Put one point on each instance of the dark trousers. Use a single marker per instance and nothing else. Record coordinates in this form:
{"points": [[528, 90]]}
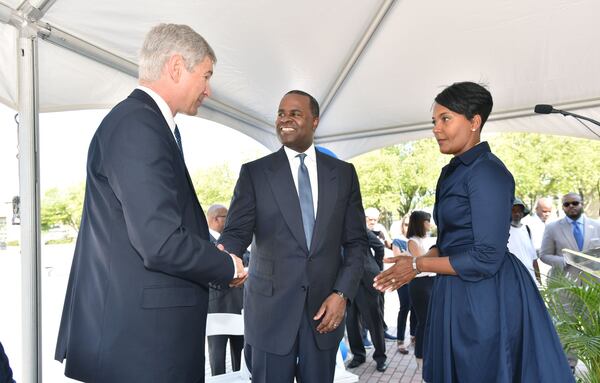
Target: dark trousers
{"points": [[420, 292], [306, 362], [405, 307], [365, 305], [217, 345]]}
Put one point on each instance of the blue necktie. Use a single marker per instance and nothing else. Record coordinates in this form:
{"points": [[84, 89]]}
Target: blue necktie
{"points": [[578, 235], [306, 200], [178, 139]]}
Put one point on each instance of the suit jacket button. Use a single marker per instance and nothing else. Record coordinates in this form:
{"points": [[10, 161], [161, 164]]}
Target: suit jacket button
{"points": [[303, 288]]}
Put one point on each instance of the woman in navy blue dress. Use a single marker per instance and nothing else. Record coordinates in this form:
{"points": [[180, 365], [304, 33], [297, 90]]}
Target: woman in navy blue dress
{"points": [[486, 320]]}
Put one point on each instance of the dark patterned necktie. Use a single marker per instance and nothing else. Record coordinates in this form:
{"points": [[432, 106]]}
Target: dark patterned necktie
{"points": [[306, 199], [178, 139]]}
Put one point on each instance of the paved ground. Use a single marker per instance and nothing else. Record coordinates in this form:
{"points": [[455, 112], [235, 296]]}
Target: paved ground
{"points": [[401, 369]]}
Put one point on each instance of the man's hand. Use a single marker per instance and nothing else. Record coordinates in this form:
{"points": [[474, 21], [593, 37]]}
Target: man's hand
{"points": [[331, 313], [396, 276], [240, 273]]}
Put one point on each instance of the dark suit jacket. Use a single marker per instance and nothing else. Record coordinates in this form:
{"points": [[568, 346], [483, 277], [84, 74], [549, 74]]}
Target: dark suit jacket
{"points": [[283, 273], [136, 303], [6, 375], [372, 268]]}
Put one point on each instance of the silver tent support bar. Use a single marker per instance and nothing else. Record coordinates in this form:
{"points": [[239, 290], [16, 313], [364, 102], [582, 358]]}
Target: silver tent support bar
{"points": [[29, 192], [356, 53]]}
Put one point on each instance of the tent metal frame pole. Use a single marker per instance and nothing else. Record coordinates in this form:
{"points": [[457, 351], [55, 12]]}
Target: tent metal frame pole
{"points": [[29, 192], [45, 5], [66, 40], [356, 53], [29, 14]]}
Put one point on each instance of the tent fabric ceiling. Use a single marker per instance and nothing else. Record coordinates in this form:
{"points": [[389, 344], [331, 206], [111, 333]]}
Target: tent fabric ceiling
{"points": [[8, 66], [527, 52]]}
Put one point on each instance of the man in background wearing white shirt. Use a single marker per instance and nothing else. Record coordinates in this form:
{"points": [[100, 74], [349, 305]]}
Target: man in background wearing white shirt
{"points": [[520, 242], [537, 222]]}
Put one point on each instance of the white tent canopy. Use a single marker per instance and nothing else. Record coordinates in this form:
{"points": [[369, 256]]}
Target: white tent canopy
{"points": [[374, 65]]}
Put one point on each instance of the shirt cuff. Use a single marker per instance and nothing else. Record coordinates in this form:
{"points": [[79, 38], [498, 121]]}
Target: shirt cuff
{"points": [[233, 261]]}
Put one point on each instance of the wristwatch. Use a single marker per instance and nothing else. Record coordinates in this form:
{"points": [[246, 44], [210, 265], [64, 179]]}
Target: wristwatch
{"points": [[414, 265], [341, 294]]}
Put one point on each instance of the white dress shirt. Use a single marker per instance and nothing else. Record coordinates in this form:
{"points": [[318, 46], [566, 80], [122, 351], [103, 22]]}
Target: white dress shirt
{"points": [[311, 164], [162, 105], [214, 233]]}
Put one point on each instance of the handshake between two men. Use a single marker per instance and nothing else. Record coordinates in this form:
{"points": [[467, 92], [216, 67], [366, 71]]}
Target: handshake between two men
{"points": [[241, 274]]}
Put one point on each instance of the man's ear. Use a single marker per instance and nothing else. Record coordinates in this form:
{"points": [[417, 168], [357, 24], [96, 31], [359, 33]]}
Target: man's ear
{"points": [[315, 123], [174, 67]]}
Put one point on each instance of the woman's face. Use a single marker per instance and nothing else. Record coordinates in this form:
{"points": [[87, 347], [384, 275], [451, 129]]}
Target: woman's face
{"points": [[427, 225], [454, 133], [404, 225]]}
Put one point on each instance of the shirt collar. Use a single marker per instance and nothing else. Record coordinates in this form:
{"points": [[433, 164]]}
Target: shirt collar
{"points": [[310, 153], [214, 233], [578, 220], [471, 155], [162, 105]]}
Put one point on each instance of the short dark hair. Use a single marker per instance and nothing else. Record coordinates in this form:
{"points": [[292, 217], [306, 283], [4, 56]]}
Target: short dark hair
{"points": [[416, 224], [314, 105], [467, 98]]}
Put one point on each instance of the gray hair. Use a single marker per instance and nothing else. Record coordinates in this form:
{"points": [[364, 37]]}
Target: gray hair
{"points": [[214, 210], [165, 40]]}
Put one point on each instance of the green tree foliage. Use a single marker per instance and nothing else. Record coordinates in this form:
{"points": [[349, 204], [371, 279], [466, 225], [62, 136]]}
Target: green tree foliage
{"points": [[62, 207], [400, 178], [215, 185], [544, 165]]}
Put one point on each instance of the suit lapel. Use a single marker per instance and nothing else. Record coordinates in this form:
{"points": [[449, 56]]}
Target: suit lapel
{"points": [[327, 178], [281, 181], [567, 230]]}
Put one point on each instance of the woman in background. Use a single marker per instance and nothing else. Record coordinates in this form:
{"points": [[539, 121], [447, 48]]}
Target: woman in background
{"points": [[420, 287], [487, 321]]}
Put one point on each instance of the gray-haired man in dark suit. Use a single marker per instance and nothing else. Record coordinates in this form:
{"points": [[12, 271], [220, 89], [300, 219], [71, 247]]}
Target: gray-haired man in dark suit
{"points": [[137, 299]]}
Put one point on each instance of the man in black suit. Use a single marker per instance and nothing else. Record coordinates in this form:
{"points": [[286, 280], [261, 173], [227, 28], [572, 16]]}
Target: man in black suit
{"points": [[303, 207], [136, 303], [223, 300], [366, 303]]}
